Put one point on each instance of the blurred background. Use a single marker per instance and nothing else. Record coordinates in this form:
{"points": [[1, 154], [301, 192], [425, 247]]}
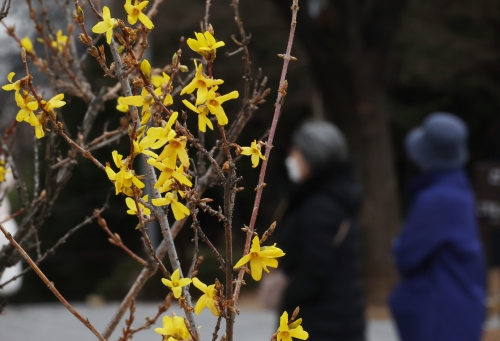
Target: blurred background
{"points": [[374, 68]]}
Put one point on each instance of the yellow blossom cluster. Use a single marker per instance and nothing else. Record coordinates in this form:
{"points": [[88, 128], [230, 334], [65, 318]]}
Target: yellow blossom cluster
{"points": [[174, 329], [134, 14], [27, 104], [286, 331], [58, 43]]}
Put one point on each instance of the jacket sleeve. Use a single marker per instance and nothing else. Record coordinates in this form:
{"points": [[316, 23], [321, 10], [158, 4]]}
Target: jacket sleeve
{"points": [[320, 219], [433, 222]]}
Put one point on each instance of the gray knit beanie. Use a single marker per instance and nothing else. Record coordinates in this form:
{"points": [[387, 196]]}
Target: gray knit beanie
{"points": [[321, 143]]}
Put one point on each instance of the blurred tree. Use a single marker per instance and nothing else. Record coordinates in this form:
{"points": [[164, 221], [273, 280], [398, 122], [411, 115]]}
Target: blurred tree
{"points": [[348, 44]]}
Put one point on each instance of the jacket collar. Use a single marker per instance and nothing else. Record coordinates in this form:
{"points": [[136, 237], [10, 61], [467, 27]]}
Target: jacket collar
{"points": [[427, 179]]}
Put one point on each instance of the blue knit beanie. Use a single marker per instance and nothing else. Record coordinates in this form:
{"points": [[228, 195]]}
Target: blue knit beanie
{"points": [[440, 143]]}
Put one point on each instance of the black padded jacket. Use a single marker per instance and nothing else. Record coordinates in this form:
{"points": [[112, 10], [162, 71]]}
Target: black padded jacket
{"points": [[325, 279]]}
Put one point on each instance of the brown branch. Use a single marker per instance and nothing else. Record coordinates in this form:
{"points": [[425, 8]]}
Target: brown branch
{"points": [[207, 14], [4, 11], [114, 238], [162, 308], [196, 226], [52, 250], [50, 285], [269, 146]]}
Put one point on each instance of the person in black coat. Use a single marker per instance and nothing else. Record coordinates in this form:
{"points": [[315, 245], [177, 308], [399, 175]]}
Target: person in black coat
{"points": [[320, 235]]}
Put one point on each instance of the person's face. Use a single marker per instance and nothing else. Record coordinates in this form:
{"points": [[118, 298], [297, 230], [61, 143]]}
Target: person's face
{"points": [[297, 167]]}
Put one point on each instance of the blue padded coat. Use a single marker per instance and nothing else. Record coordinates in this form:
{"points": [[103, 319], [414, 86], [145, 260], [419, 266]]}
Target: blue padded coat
{"points": [[440, 260]]}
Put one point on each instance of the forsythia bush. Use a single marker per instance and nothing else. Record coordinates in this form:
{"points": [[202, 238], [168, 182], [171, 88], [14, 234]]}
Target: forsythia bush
{"points": [[150, 105]]}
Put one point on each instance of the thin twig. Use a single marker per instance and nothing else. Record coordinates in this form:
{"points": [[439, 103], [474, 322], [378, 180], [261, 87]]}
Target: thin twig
{"points": [[114, 238], [52, 250], [277, 111], [51, 286]]}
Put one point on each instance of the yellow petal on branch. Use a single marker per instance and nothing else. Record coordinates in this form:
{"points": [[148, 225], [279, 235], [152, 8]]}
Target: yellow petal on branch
{"points": [[106, 25], [214, 104], [178, 209], [146, 69], [27, 104], [13, 85], [176, 283], [202, 83], [207, 299], [205, 45], [132, 208], [260, 257], [121, 106], [202, 111], [174, 328], [287, 331], [254, 152], [27, 44], [54, 103], [135, 13]]}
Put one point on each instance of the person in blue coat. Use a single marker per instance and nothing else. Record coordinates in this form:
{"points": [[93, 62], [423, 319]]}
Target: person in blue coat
{"points": [[441, 295]]}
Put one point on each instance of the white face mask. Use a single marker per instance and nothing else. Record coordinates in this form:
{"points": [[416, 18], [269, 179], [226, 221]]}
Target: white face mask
{"points": [[293, 168]]}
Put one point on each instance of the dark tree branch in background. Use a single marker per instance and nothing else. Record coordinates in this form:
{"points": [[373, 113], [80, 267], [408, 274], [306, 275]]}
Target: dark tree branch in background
{"points": [[4, 11]]}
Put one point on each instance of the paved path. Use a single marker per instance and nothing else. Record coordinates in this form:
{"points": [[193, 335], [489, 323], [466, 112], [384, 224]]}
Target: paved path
{"points": [[52, 322]]}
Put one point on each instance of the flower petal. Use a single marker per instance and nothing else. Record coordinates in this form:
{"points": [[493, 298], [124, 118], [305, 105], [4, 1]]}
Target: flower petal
{"points": [[256, 268], [177, 291], [200, 285], [202, 303], [146, 21], [166, 282], [245, 259]]}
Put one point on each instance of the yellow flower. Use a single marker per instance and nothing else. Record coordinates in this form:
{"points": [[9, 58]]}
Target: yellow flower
{"points": [[121, 106], [176, 283], [160, 82], [205, 45], [27, 103], [143, 100], [207, 299], [135, 13], [286, 332], [27, 44], [254, 152], [179, 210], [53, 103], [106, 25], [124, 178], [176, 148], [35, 121], [202, 83], [167, 173], [142, 147], [214, 103], [13, 85], [162, 135], [3, 171], [260, 257], [132, 208], [146, 68], [60, 41], [202, 111], [174, 327]]}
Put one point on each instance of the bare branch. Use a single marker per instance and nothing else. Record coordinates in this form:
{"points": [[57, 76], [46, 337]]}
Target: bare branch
{"points": [[51, 286]]}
